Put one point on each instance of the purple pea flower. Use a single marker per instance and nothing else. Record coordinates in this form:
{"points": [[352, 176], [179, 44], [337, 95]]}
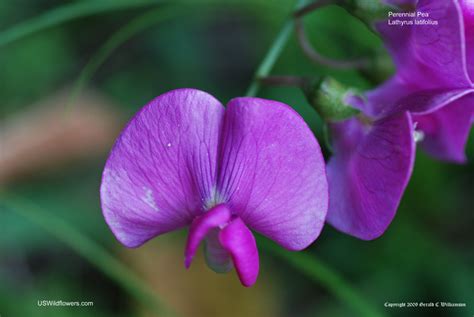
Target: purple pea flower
{"points": [[186, 161], [432, 91], [435, 68]]}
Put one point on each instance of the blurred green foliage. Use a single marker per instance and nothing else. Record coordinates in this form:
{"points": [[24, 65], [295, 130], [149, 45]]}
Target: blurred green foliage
{"points": [[426, 254]]}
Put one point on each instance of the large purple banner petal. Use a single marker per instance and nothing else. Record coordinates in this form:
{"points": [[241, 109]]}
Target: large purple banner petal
{"points": [[272, 171], [162, 166]]}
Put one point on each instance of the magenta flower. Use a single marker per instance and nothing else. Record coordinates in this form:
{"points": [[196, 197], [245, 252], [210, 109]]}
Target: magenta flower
{"points": [[186, 161], [435, 67], [371, 165]]}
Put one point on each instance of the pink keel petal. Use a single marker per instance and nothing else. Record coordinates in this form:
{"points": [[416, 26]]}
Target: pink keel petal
{"points": [[239, 241], [201, 226]]}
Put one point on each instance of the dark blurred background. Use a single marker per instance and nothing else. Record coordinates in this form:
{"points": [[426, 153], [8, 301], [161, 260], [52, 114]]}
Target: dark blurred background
{"points": [[52, 151]]}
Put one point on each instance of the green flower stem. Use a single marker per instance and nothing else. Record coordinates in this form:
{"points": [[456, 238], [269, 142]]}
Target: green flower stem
{"points": [[271, 57], [273, 53], [89, 250], [317, 271]]}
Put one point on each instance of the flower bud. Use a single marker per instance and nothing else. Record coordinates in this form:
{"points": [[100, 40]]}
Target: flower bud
{"points": [[330, 100]]}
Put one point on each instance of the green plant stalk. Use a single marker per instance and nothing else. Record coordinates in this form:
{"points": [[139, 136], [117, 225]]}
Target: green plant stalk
{"points": [[89, 250], [269, 61], [273, 53]]}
